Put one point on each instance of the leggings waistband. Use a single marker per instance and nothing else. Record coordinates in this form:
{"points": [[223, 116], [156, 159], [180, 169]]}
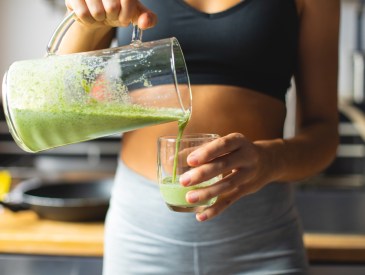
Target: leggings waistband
{"points": [[139, 203]]}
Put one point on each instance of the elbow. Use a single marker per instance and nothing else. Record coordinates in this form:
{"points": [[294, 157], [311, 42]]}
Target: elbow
{"points": [[333, 143]]}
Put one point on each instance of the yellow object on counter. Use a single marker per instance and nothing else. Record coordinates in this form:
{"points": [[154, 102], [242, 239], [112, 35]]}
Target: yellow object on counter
{"points": [[5, 182]]}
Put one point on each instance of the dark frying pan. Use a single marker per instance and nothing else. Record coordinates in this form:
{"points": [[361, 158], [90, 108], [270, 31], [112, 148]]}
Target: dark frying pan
{"points": [[62, 200]]}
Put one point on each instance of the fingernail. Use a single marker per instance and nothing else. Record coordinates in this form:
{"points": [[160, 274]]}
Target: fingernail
{"points": [[193, 159], [192, 197], [201, 217], [185, 179]]}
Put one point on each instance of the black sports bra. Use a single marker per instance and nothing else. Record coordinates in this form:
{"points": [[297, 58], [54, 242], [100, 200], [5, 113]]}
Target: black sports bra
{"points": [[251, 45]]}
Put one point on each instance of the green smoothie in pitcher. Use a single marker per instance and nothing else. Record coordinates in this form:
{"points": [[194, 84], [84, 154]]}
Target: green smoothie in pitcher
{"points": [[68, 99], [42, 129]]}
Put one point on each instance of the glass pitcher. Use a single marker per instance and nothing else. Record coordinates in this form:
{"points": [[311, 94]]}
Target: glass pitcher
{"points": [[64, 99]]}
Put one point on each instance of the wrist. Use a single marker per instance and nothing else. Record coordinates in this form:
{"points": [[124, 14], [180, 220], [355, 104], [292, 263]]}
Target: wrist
{"points": [[82, 38], [272, 160]]}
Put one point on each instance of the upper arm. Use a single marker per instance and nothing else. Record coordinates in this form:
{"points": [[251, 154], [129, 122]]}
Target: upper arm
{"points": [[317, 65]]}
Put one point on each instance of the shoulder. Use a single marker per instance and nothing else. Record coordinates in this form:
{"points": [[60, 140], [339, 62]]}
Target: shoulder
{"points": [[319, 22], [317, 72]]}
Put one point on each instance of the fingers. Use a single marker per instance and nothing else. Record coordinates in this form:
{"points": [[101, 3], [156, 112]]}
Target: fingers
{"points": [[146, 18], [234, 181], [128, 12], [225, 185], [81, 10], [216, 148], [115, 13], [220, 205], [220, 156], [94, 11], [112, 9], [226, 200], [219, 166], [229, 196], [233, 156]]}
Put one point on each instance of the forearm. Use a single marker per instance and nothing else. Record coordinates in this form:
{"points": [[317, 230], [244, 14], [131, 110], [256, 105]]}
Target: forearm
{"points": [[304, 155], [314, 146], [81, 39]]}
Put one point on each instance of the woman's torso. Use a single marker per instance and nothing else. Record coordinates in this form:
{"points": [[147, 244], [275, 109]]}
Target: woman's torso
{"points": [[239, 64]]}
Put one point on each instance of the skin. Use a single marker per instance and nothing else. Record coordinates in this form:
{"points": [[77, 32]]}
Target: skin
{"points": [[251, 152]]}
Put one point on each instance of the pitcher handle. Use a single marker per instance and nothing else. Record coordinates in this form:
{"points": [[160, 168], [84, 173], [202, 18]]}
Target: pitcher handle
{"points": [[136, 36], [66, 23], [59, 33]]}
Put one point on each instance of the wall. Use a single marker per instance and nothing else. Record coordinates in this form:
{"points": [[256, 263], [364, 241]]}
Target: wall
{"points": [[25, 28], [347, 45]]}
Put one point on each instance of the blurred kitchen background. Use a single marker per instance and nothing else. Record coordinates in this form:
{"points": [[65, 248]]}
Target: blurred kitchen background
{"points": [[332, 205], [26, 27]]}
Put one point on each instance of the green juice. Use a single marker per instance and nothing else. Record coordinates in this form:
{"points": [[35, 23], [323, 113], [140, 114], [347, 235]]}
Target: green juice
{"points": [[43, 129], [174, 193], [181, 127]]}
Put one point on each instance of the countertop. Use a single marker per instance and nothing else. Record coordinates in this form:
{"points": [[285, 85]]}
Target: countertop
{"points": [[25, 233]]}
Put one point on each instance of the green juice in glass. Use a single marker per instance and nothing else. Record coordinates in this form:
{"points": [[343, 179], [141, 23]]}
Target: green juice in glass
{"points": [[174, 193]]}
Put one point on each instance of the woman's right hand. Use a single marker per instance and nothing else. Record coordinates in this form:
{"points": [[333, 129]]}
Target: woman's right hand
{"points": [[111, 13]]}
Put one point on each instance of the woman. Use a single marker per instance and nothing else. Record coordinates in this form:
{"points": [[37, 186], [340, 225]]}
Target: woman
{"points": [[241, 56]]}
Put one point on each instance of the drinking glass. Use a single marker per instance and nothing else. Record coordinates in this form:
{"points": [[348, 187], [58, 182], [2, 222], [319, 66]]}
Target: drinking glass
{"points": [[172, 162]]}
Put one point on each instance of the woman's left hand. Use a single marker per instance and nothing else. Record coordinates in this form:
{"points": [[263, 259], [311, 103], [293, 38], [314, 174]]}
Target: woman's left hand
{"points": [[242, 164]]}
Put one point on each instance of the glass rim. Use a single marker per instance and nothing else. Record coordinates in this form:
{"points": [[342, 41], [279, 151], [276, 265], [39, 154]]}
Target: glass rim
{"points": [[189, 137], [176, 45]]}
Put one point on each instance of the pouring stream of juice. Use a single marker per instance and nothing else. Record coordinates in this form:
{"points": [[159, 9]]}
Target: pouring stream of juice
{"points": [[181, 124]]}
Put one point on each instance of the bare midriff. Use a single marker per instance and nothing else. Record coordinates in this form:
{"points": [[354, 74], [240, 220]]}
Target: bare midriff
{"points": [[216, 109]]}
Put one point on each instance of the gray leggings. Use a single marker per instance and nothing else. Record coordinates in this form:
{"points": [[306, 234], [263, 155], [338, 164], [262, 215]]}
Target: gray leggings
{"points": [[260, 234]]}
